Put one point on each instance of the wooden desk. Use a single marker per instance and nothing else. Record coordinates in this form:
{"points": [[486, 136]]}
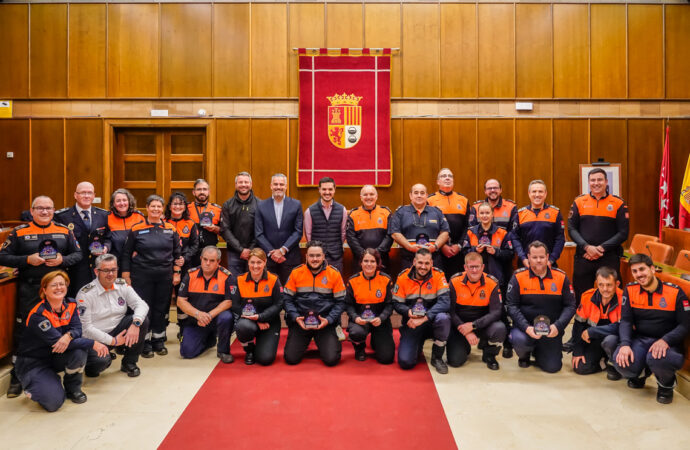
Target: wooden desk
{"points": [[8, 293], [678, 239]]}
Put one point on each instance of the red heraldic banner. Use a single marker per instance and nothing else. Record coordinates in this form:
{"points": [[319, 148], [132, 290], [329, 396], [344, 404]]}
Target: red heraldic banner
{"points": [[344, 119]]}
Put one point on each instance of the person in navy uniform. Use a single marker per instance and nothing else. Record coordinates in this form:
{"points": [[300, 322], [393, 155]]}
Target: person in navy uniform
{"points": [[52, 343], [90, 227]]}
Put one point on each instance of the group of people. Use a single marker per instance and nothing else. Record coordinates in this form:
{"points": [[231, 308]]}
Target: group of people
{"points": [[94, 283]]}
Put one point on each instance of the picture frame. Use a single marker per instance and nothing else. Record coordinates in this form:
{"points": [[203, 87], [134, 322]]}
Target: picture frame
{"points": [[613, 174]]}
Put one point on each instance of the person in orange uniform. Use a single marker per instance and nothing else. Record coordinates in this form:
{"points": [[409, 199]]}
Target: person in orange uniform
{"points": [[369, 307], [595, 331], [367, 227], [475, 314], [455, 207], [206, 215], [505, 210], [257, 304], [122, 217]]}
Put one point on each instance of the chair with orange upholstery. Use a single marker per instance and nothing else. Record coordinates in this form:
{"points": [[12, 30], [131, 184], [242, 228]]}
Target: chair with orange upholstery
{"points": [[660, 253], [637, 245], [683, 260]]}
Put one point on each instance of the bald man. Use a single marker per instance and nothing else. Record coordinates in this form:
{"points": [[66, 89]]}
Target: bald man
{"points": [[90, 227], [367, 227]]}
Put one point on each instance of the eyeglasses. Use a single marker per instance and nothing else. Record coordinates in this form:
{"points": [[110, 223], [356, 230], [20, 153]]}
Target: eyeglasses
{"points": [[493, 188], [473, 267], [107, 270], [43, 208]]}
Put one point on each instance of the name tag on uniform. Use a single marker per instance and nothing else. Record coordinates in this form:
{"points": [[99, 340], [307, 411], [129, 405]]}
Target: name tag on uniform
{"points": [[144, 231], [433, 221], [58, 236], [30, 237], [168, 231]]}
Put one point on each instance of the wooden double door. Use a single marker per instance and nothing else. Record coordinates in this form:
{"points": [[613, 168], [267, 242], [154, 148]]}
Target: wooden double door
{"points": [[158, 161]]}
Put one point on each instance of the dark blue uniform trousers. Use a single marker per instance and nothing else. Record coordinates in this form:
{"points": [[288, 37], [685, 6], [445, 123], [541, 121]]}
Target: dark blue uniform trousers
{"points": [[41, 381], [594, 351], [664, 369], [412, 339], [547, 351], [459, 348], [266, 340], [194, 337], [381, 339]]}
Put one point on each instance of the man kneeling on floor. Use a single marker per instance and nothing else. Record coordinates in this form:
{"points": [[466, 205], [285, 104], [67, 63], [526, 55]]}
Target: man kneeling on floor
{"points": [[103, 306], [655, 319], [205, 294], [475, 312], [421, 297], [314, 298], [595, 331]]}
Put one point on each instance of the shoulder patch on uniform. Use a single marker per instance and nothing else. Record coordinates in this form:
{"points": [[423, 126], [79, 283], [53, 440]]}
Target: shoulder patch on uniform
{"points": [[385, 207], [334, 268], [491, 277], [99, 209], [44, 325], [634, 283], [458, 274], [432, 194], [675, 286], [215, 204], [509, 200], [522, 209], [580, 196], [385, 275], [60, 224], [396, 209], [193, 269], [356, 208], [403, 271], [559, 270], [87, 287], [120, 281], [358, 274], [478, 202], [60, 211], [554, 207], [19, 227], [521, 269], [225, 271]]}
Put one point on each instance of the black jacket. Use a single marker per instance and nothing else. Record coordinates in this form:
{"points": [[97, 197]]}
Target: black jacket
{"points": [[237, 224]]}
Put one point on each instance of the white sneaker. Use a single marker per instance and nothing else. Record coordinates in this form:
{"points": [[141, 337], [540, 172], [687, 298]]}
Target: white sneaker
{"points": [[339, 332]]}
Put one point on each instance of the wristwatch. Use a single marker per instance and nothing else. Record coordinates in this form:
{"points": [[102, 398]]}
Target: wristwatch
{"points": [[136, 322]]}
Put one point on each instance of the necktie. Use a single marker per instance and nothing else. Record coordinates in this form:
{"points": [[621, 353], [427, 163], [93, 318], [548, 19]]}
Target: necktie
{"points": [[87, 220]]}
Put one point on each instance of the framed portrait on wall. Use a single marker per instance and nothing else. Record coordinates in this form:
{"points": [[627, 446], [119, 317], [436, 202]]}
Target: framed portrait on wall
{"points": [[613, 174]]}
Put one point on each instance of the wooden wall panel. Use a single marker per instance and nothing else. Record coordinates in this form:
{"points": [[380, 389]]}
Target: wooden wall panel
{"points": [[680, 151], [382, 29], [496, 24], [459, 154], [533, 156], [269, 140], [609, 140], [14, 137], [421, 159], [233, 155], [570, 149], [571, 51], [677, 51], [231, 50], [306, 30], [133, 50], [608, 51], [495, 153], [84, 157], [345, 25], [47, 159], [87, 41], [48, 50], [421, 39], [186, 50], [645, 144], [533, 50], [14, 46], [458, 50], [645, 51], [269, 50]]}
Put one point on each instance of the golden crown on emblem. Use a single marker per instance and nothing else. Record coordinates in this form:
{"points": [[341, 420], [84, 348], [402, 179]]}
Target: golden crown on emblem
{"points": [[344, 99]]}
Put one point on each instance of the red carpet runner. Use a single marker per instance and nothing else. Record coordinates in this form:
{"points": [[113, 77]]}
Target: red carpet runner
{"points": [[355, 405]]}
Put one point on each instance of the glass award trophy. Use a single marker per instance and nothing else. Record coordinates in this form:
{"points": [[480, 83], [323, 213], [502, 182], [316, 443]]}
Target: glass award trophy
{"points": [[485, 240], [542, 325], [422, 240], [419, 310], [248, 309], [48, 249], [368, 315], [206, 219], [96, 248], [311, 321]]}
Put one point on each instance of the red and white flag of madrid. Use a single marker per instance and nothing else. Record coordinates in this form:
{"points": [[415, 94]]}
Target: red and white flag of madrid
{"points": [[666, 218]]}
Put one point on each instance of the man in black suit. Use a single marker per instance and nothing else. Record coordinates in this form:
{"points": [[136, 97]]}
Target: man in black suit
{"points": [[278, 229], [90, 227]]}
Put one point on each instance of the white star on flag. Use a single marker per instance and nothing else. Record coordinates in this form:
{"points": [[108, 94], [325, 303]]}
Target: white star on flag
{"points": [[664, 187], [664, 204], [668, 220]]}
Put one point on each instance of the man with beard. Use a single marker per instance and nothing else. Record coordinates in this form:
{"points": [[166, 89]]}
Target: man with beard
{"points": [[237, 223], [207, 216]]}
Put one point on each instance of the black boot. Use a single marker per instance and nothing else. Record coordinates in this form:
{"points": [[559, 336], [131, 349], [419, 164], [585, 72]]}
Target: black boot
{"points": [[489, 356], [664, 395], [249, 354], [360, 354], [507, 349], [437, 359], [15, 388], [567, 346], [639, 382], [524, 362], [612, 374], [147, 351]]}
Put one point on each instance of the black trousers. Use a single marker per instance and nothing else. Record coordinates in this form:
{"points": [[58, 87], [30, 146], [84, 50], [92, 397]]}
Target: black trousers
{"points": [[266, 345], [458, 348], [27, 297], [96, 364], [594, 352], [381, 339], [585, 271], [80, 275], [155, 288], [326, 340]]}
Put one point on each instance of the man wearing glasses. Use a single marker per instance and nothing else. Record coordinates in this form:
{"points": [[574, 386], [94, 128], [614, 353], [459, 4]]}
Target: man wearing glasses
{"points": [[104, 306], [505, 211], [90, 227], [36, 248]]}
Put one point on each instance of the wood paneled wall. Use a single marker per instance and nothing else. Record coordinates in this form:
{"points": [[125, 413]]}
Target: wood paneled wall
{"points": [[448, 50], [48, 151]]}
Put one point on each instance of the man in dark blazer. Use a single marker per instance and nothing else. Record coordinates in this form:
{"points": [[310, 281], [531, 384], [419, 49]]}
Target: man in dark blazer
{"points": [[90, 227], [278, 229]]}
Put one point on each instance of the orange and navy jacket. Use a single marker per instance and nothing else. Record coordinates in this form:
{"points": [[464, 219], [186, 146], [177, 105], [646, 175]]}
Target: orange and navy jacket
{"points": [[455, 207], [477, 302], [195, 210], [265, 295], [151, 247], [119, 230], [529, 296], [205, 294], [545, 225], [662, 314], [412, 224], [498, 237], [505, 213], [189, 237], [602, 222], [25, 240], [432, 289], [374, 292], [599, 320], [44, 327], [322, 292], [368, 229]]}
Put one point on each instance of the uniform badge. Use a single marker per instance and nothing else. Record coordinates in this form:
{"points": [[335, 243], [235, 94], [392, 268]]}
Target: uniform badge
{"points": [[505, 214], [482, 294], [233, 289], [70, 226], [378, 293], [428, 285], [380, 221], [121, 301], [396, 288], [266, 289], [570, 214], [547, 215], [185, 230], [686, 305], [324, 280], [5, 244], [45, 325], [553, 287], [662, 302], [81, 309], [510, 288], [610, 207], [66, 315], [215, 288]]}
